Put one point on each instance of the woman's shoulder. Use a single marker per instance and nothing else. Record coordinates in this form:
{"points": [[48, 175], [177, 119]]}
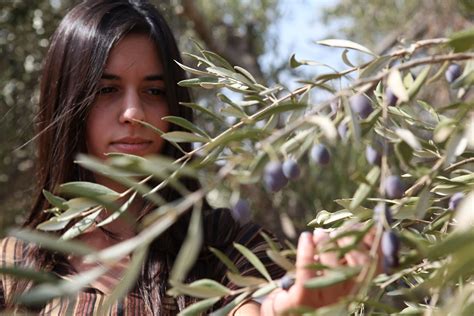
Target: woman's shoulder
{"points": [[12, 251]]}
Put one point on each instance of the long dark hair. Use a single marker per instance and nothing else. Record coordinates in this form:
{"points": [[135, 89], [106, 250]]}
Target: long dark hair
{"points": [[71, 72]]}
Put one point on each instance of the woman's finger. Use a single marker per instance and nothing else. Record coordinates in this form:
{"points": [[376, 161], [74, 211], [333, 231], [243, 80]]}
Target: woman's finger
{"points": [[358, 256], [304, 257], [328, 258], [321, 238]]}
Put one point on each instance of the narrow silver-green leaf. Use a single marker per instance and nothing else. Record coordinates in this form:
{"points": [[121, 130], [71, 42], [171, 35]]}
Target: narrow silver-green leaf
{"points": [[364, 189], [423, 203], [244, 281], [224, 259], [76, 207], [279, 108], [345, 58], [419, 81], [395, 83], [253, 259], [184, 137], [86, 189], [55, 201], [81, 226], [191, 70], [211, 285], [280, 260], [264, 290], [199, 307], [52, 242], [217, 59], [194, 291], [245, 73], [224, 311], [346, 44], [118, 212], [47, 291], [128, 280], [409, 138], [197, 82], [332, 277], [462, 41], [190, 248], [374, 66], [185, 124], [28, 274], [52, 225]]}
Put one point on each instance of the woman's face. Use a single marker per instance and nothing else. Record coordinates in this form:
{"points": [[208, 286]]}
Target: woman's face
{"points": [[132, 88]]}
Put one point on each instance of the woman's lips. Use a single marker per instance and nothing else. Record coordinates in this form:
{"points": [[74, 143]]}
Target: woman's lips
{"points": [[135, 146]]}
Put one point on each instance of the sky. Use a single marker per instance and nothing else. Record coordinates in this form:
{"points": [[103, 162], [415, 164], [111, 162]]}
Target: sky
{"points": [[297, 30]]}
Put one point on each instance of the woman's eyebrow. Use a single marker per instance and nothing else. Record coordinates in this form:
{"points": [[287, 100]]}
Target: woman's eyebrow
{"points": [[108, 76], [154, 77]]}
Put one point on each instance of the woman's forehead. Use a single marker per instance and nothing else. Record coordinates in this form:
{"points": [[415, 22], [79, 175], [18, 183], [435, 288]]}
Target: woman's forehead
{"points": [[134, 52]]}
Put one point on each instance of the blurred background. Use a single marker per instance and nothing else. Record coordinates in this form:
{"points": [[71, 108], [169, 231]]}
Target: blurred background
{"points": [[259, 35]]}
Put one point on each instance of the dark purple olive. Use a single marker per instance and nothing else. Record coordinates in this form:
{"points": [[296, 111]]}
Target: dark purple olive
{"points": [[320, 154], [453, 72], [390, 97], [361, 105], [286, 282], [394, 187], [273, 176], [390, 245], [382, 209], [373, 156], [291, 170], [241, 211], [455, 200]]}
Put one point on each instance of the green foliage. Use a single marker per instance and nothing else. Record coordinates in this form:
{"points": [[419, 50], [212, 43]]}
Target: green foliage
{"points": [[431, 146], [428, 143]]}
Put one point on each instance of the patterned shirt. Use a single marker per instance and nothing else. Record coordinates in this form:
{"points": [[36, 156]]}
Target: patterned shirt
{"points": [[89, 299]]}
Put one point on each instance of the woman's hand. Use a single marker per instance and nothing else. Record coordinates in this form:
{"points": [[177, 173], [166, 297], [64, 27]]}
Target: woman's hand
{"points": [[297, 295]]}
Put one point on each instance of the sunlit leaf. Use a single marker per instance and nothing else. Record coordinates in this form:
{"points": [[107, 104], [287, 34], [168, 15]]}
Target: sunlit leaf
{"points": [[81, 226], [52, 224], [409, 138], [346, 44], [76, 207], [395, 83]]}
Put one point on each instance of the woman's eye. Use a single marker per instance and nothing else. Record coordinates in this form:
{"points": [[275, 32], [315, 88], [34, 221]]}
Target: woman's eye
{"points": [[156, 91], [106, 90]]}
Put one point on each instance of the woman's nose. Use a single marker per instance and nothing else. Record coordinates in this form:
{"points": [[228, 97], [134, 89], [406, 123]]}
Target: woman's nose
{"points": [[132, 109]]}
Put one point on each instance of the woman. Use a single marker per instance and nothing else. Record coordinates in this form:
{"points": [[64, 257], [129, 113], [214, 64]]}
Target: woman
{"points": [[111, 64]]}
